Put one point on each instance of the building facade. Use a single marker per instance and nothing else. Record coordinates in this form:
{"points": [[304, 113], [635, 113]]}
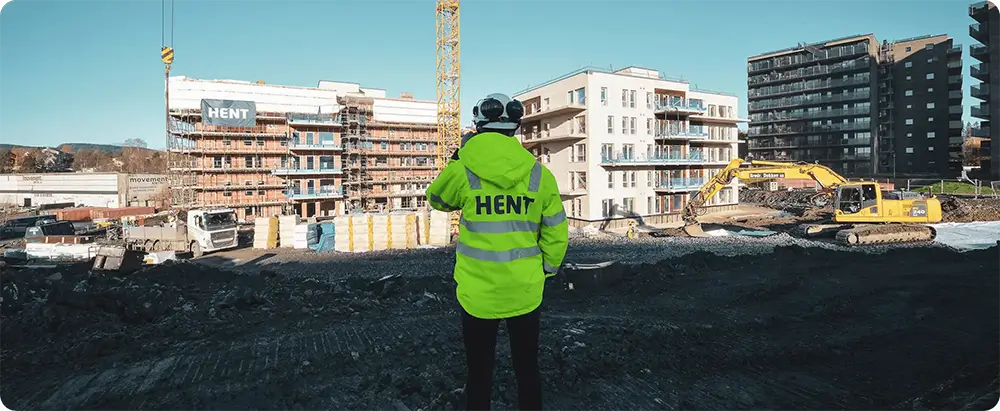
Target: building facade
{"points": [[986, 30], [86, 189], [859, 107], [314, 151], [629, 143]]}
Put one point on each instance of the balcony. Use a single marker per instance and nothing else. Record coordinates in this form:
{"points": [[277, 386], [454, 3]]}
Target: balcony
{"points": [[955, 141], [306, 171], [299, 119], [981, 91], [805, 72], [956, 109], [565, 109], [956, 49], [672, 157], [980, 71], [956, 79], [324, 146], [677, 133], [680, 184], [314, 194], [680, 106], [955, 64], [781, 130], [982, 111], [807, 58], [807, 100], [529, 139], [806, 86], [982, 132], [955, 95], [979, 52], [978, 10], [804, 115], [955, 124], [978, 32]]}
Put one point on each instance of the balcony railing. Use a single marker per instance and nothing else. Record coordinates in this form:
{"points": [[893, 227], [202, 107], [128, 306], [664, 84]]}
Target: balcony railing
{"points": [[981, 111], [836, 142], [979, 52], [955, 124], [955, 49], [660, 158], [956, 109], [850, 65], [321, 170], [954, 94], [980, 71], [802, 115], [681, 184], [796, 59], [955, 64], [316, 146], [979, 7], [665, 131], [324, 191], [977, 32], [807, 85], [983, 132], [955, 79], [680, 105], [981, 91], [314, 119], [811, 99], [784, 129]]}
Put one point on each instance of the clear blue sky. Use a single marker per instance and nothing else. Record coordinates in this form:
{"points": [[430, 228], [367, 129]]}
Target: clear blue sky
{"points": [[89, 71]]}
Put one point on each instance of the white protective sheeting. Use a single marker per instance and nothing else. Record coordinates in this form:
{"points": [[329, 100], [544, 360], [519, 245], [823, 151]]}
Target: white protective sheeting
{"points": [[968, 236], [187, 93], [405, 111]]}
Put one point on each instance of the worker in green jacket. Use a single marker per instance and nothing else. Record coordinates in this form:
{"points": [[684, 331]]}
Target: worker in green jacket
{"points": [[513, 235]]}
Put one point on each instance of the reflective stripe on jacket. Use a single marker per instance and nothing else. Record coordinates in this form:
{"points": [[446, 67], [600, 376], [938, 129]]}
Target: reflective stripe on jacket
{"points": [[513, 229]]}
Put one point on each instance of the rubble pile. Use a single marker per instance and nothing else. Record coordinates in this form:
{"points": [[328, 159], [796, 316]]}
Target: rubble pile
{"points": [[954, 209], [789, 328], [966, 210]]}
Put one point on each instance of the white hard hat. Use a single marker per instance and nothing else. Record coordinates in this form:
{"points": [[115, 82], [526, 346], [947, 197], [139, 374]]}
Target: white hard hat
{"points": [[498, 112]]}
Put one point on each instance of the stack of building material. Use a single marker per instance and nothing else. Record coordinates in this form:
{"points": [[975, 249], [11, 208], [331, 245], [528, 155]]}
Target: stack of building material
{"points": [[265, 233], [434, 228], [306, 234], [286, 230], [116, 213], [373, 232], [326, 239]]}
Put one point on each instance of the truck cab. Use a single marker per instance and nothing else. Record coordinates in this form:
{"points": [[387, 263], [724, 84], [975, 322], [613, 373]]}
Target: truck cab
{"points": [[211, 230]]}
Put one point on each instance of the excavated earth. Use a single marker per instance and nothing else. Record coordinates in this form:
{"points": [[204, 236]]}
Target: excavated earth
{"points": [[793, 327]]}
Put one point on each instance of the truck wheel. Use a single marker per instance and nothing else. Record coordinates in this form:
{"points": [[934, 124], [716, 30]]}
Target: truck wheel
{"points": [[196, 249]]}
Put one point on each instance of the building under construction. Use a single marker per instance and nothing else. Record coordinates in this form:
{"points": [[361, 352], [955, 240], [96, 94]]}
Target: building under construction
{"points": [[313, 151]]}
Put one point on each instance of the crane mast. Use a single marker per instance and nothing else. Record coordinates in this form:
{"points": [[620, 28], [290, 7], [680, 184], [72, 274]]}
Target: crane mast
{"points": [[448, 68]]}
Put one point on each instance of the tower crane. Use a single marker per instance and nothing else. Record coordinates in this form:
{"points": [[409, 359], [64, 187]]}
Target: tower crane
{"points": [[449, 107]]}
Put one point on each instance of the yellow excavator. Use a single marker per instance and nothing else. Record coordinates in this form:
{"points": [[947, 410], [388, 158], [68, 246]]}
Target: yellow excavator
{"points": [[863, 212]]}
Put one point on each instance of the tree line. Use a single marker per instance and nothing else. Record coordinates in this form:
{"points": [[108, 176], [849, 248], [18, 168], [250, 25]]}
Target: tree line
{"points": [[134, 157]]}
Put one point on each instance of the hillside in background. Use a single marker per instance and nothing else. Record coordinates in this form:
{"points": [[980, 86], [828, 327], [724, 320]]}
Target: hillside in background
{"points": [[73, 147]]}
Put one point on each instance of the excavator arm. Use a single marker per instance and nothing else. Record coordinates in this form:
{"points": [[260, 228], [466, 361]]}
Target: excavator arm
{"points": [[760, 171]]}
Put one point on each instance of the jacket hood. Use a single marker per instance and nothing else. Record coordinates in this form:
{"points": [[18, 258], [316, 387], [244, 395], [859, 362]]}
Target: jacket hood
{"points": [[496, 158]]}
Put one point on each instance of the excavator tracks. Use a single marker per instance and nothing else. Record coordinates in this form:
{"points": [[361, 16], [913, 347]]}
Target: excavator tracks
{"points": [[869, 234]]}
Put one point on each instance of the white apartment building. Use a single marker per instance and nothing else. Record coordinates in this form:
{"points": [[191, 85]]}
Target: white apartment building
{"points": [[630, 144]]}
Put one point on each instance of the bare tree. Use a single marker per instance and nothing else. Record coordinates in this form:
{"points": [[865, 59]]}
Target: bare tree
{"points": [[7, 160], [135, 142]]}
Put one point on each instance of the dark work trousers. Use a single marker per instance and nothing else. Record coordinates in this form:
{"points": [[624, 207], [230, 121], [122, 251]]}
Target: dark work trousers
{"points": [[480, 351]]}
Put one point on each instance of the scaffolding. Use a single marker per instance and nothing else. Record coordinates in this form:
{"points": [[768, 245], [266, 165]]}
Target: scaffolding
{"points": [[354, 117], [885, 140], [206, 169]]}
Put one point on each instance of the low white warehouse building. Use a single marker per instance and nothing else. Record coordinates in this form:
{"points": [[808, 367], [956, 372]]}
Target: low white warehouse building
{"points": [[88, 189]]}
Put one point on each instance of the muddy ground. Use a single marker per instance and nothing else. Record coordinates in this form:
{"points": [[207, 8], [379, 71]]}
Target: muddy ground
{"points": [[793, 328]]}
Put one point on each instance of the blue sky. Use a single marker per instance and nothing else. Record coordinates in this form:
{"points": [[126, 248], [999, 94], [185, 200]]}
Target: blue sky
{"points": [[89, 71]]}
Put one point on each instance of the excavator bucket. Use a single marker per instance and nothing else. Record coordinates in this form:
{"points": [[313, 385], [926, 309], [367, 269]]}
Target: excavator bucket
{"points": [[695, 230]]}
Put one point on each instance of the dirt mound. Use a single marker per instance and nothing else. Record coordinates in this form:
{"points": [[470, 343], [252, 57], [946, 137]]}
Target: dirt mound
{"points": [[796, 202], [788, 329], [964, 210]]}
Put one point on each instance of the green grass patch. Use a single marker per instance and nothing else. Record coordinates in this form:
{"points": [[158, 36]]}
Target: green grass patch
{"points": [[954, 187]]}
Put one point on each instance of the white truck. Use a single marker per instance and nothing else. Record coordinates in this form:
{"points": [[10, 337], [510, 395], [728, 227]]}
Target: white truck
{"points": [[203, 231]]}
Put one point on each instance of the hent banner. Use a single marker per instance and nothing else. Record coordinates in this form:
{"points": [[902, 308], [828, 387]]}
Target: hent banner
{"points": [[232, 113]]}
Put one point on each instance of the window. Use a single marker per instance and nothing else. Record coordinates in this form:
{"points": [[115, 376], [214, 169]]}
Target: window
{"points": [[604, 96], [909, 150], [581, 152], [908, 93], [908, 64], [930, 76], [607, 151], [629, 206], [930, 148], [611, 124], [631, 99], [628, 151], [930, 119], [908, 49], [649, 182], [624, 125], [909, 121], [248, 161], [606, 207], [248, 193], [247, 143], [624, 98], [611, 180], [632, 179], [909, 106], [908, 78], [929, 46], [930, 105], [909, 135], [649, 100], [931, 134], [260, 143], [624, 179], [632, 124], [649, 126], [383, 145]]}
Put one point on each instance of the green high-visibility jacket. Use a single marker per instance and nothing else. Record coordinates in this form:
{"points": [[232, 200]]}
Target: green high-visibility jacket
{"points": [[513, 231]]}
